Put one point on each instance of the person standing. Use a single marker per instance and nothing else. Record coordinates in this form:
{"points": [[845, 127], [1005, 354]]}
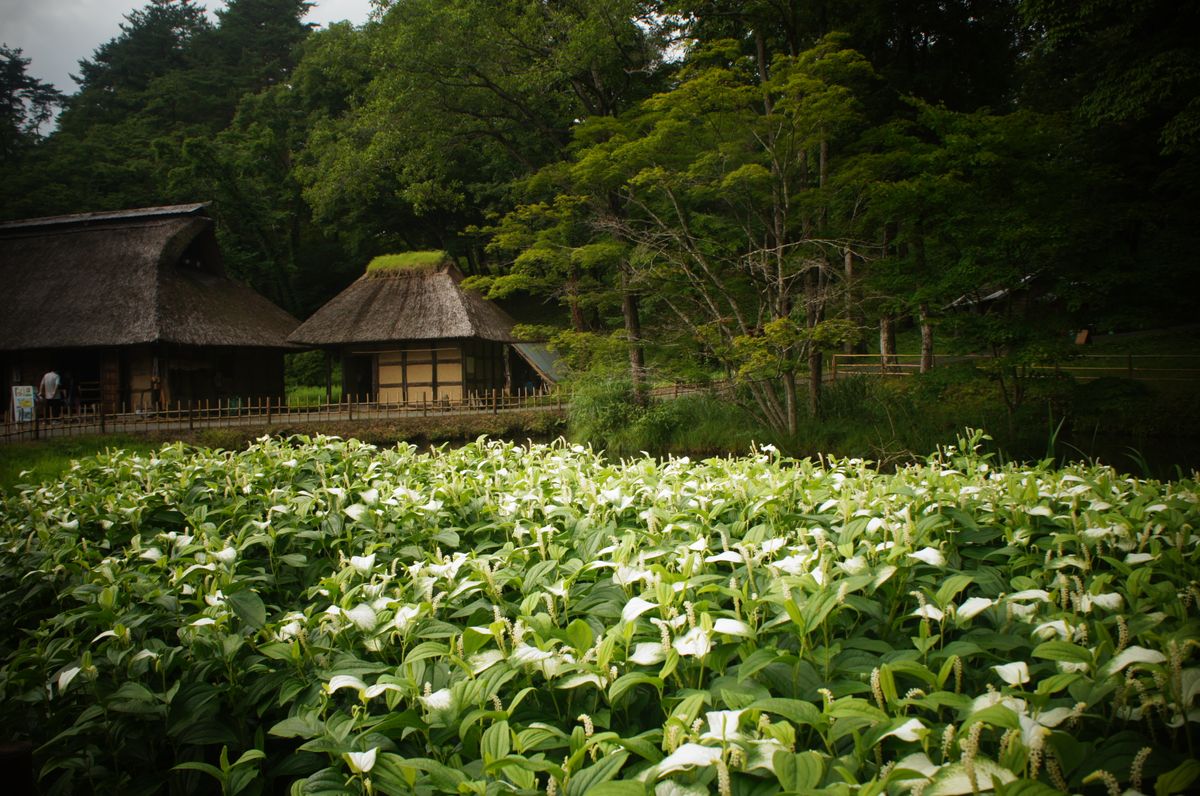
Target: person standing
{"points": [[48, 391]]}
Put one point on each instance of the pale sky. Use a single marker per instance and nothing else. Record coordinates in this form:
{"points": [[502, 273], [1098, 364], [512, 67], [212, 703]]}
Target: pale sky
{"points": [[55, 34]]}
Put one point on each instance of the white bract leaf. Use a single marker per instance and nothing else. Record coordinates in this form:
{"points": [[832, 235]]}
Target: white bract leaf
{"points": [[648, 653], [1056, 628], [1134, 655], [66, 676], [918, 762], [361, 762], [853, 566], [911, 730], [1033, 733], [687, 756], [635, 608], [732, 627], [973, 606], [625, 576], [370, 692], [363, 616], [340, 681], [929, 612], [729, 556], [1109, 602], [953, 780], [438, 700], [694, 643], [363, 564], [1015, 673], [405, 615], [722, 725], [356, 512], [930, 555], [1030, 594], [762, 754], [226, 556], [483, 661]]}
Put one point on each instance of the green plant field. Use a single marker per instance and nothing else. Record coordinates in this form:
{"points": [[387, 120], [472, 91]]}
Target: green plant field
{"points": [[318, 616]]}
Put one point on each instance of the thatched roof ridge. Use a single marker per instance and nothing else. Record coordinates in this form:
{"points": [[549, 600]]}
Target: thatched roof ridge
{"points": [[389, 306], [194, 208], [125, 278]]}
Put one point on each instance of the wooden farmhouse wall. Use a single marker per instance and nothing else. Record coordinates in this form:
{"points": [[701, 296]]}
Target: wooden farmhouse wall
{"points": [[436, 370]]}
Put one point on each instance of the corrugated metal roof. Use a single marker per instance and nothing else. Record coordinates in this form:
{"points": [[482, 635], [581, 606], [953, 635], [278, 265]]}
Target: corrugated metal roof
{"points": [[542, 359]]}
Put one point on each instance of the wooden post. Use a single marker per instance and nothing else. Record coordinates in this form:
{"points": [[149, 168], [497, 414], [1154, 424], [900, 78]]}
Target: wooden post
{"points": [[268, 410]]}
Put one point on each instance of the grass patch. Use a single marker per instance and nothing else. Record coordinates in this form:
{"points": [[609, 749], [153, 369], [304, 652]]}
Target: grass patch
{"points": [[308, 395], [407, 261], [47, 460]]}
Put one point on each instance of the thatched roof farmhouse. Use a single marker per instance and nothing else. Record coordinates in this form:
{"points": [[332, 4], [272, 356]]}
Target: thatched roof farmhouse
{"points": [[136, 306], [407, 331]]}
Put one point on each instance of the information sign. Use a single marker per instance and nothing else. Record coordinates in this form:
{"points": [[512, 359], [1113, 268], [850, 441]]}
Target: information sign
{"points": [[22, 402]]}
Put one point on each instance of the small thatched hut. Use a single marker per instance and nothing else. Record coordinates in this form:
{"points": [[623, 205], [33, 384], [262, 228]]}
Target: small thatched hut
{"points": [[136, 307], [406, 331]]}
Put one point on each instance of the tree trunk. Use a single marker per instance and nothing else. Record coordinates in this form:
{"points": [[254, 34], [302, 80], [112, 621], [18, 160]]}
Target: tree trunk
{"points": [[633, 335], [926, 340], [578, 322], [887, 341], [853, 306], [815, 373], [789, 397]]}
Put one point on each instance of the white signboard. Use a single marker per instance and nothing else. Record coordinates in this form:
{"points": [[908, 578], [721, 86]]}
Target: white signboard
{"points": [[22, 401]]}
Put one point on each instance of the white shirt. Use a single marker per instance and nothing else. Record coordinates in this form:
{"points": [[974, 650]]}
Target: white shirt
{"points": [[49, 388]]}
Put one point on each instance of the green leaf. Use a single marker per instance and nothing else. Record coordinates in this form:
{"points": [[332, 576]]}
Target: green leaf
{"points": [[794, 710], [496, 742], [1178, 779], [854, 708], [995, 715], [799, 772], [631, 680], [758, 660], [950, 588], [248, 607], [623, 787], [1063, 651], [580, 634], [1026, 787], [603, 770], [424, 650]]}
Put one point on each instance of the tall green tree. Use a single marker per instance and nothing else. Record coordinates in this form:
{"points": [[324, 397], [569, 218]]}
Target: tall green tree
{"points": [[725, 182], [26, 105], [466, 98]]}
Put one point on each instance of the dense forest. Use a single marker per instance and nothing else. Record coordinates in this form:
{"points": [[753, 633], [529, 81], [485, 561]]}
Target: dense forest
{"points": [[703, 186]]}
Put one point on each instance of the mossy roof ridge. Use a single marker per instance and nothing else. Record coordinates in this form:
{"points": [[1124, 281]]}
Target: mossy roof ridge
{"points": [[407, 262]]}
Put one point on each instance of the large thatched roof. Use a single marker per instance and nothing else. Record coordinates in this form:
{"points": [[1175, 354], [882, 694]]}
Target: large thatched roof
{"points": [[127, 277], [387, 305]]}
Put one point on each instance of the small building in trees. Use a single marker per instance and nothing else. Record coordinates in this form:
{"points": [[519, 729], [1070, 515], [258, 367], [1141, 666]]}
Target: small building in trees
{"points": [[135, 307], [406, 331]]}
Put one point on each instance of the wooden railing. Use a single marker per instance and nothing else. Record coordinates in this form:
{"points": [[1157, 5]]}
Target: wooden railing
{"points": [[1084, 367], [261, 411]]}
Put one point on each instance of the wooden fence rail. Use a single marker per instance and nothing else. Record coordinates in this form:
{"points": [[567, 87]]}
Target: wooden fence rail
{"points": [[1143, 367], [260, 411]]}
